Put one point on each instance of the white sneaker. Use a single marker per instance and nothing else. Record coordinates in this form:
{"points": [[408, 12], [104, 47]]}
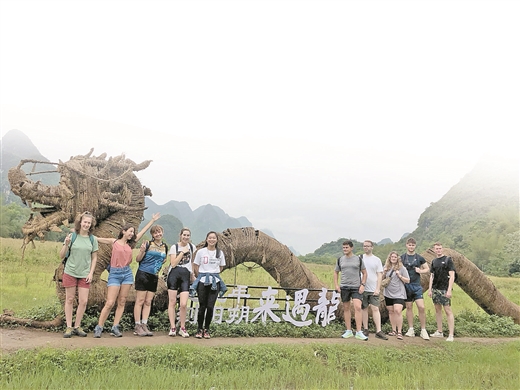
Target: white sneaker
{"points": [[173, 332], [347, 334], [410, 333], [450, 338], [424, 334], [437, 334], [183, 332]]}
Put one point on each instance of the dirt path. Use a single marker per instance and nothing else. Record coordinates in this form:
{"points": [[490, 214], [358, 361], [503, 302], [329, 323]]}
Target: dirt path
{"points": [[26, 338]]}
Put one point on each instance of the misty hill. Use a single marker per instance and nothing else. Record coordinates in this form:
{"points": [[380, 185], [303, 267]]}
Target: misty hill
{"points": [[200, 221], [478, 217], [16, 146]]}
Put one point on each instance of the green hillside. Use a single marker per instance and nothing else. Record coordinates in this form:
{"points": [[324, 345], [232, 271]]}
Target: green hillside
{"points": [[479, 217]]}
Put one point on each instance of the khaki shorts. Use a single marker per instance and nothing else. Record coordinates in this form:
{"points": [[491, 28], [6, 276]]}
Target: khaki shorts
{"points": [[369, 299]]}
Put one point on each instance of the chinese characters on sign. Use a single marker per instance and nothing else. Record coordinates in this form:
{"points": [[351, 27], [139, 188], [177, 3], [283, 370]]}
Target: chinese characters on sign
{"points": [[325, 309]]}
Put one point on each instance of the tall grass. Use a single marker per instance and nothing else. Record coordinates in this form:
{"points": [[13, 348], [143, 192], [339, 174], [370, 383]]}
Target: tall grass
{"points": [[27, 289], [313, 366]]}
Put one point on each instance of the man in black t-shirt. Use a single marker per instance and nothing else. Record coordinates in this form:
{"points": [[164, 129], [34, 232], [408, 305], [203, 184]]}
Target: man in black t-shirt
{"points": [[441, 283]]}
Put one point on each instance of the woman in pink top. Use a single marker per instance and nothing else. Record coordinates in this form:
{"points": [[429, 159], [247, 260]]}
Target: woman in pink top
{"points": [[120, 276]]}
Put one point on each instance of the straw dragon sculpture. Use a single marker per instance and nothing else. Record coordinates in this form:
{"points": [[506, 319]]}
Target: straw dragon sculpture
{"points": [[109, 189]]}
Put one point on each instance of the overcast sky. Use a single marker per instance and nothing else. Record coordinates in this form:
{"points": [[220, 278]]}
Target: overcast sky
{"points": [[314, 119]]}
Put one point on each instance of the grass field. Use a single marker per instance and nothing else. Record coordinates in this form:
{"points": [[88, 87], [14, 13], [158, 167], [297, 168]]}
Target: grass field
{"points": [[27, 288]]}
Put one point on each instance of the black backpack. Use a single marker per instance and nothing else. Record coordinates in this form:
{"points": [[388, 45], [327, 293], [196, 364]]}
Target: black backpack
{"points": [[454, 271], [360, 262]]}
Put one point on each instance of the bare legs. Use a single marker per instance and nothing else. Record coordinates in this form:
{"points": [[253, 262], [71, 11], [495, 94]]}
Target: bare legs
{"points": [[449, 317], [358, 314], [115, 294], [70, 294], [143, 305]]}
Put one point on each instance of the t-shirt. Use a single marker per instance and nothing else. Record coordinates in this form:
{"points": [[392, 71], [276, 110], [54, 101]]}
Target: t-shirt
{"points": [[121, 255], [186, 259], [154, 258], [373, 266], [80, 257], [410, 262], [396, 287], [440, 268], [208, 262], [350, 269]]}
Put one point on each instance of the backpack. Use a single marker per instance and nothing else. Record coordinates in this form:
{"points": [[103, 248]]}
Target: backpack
{"points": [[163, 243], [456, 276], [192, 248], [360, 264], [72, 239], [360, 261]]}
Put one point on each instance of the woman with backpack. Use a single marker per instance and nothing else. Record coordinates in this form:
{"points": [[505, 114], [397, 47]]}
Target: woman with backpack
{"points": [[79, 253], [180, 275], [151, 258], [209, 262], [120, 276]]}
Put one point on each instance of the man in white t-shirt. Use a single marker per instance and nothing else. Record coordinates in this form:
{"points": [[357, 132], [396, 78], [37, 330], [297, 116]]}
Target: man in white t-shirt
{"points": [[374, 269]]}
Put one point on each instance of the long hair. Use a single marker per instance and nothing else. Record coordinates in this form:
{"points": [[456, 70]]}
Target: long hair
{"points": [[79, 219], [216, 244], [130, 242], [388, 264]]}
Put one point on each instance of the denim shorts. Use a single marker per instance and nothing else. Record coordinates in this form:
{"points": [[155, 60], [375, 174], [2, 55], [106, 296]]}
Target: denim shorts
{"points": [[413, 292], [119, 276]]}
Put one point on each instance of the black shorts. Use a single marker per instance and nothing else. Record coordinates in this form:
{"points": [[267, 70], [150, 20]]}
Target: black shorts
{"points": [[145, 281], [394, 301], [179, 279]]}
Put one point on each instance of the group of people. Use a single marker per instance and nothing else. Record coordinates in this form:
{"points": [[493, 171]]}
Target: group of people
{"points": [[360, 283], [188, 267], [362, 279]]}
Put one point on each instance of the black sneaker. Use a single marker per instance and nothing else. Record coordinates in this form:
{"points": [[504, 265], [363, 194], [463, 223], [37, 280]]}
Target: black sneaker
{"points": [[381, 335], [366, 332]]}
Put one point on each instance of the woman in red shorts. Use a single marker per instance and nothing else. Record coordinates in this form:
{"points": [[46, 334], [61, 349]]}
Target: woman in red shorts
{"points": [[80, 248]]}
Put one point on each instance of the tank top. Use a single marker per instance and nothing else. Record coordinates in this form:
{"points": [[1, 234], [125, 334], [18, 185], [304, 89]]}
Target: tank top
{"points": [[121, 255]]}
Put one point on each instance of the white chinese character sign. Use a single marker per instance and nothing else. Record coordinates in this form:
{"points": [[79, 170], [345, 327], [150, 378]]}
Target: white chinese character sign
{"points": [[296, 312]]}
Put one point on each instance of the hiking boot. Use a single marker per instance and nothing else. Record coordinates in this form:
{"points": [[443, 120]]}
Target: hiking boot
{"points": [[381, 335], [146, 330], [366, 332], [97, 331], [199, 334], [68, 333], [139, 331], [348, 333], [183, 333], [410, 333], [79, 332], [361, 336], [206, 334], [437, 334], [424, 334], [173, 332], [115, 331], [450, 338]]}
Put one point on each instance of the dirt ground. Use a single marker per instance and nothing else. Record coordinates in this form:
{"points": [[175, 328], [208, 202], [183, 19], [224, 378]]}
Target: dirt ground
{"points": [[13, 339]]}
